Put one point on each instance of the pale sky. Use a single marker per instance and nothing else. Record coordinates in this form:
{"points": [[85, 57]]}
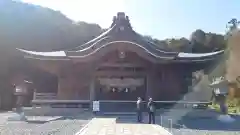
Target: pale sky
{"points": [[158, 18]]}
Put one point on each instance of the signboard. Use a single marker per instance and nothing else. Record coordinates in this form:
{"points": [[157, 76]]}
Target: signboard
{"points": [[20, 90], [96, 106]]}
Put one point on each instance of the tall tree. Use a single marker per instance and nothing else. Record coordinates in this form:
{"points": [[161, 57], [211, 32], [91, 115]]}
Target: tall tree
{"points": [[233, 24], [198, 36], [197, 40]]}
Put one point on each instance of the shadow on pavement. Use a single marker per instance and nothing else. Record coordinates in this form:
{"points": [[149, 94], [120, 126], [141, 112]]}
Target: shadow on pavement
{"points": [[41, 119], [36, 122], [188, 123], [211, 124], [203, 124], [76, 118], [45, 119]]}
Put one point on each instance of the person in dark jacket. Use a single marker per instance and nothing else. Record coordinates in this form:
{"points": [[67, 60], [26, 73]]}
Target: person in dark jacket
{"points": [[139, 109], [151, 111]]}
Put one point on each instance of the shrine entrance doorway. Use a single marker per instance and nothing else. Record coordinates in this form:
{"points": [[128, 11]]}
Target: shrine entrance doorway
{"points": [[120, 88]]}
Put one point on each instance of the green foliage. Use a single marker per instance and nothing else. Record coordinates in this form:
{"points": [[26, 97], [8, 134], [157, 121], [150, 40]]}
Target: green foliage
{"points": [[233, 106], [207, 42], [233, 24], [36, 28], [41, 29], [200, 42]]}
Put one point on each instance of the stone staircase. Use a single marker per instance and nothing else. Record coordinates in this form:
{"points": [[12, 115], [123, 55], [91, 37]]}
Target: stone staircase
{"points": [[48, 111]]}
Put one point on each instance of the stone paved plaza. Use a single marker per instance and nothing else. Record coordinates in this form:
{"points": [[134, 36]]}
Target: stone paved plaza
{"points": [[113, 125], [60, 126], [108, 126]]}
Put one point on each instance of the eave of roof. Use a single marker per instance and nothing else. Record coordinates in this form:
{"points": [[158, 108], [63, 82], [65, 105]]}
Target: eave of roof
{"points": [[198, 55], [56, 55], [48, 54]]}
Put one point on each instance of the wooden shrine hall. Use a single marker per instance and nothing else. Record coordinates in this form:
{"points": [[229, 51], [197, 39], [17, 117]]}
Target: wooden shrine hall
{"points": [[118, 65]]}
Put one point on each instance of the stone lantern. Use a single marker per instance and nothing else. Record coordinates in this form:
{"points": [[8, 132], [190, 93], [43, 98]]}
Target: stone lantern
{"points": [[21, 91], [220, 92]]}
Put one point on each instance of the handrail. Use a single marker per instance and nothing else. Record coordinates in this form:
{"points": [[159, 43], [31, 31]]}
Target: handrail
{"points": [[119, 101], [43, 96], [112, 101], [158, 101]]}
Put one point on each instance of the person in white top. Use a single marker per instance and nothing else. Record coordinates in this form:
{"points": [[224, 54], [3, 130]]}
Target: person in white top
{"points": [[139, 109]]}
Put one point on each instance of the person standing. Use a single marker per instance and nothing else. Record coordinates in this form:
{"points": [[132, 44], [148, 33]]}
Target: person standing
{"points": [[151, 111], [139, 109]]}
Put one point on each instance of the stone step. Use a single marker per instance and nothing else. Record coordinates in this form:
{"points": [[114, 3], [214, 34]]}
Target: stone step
{"points": [[48, 111]]}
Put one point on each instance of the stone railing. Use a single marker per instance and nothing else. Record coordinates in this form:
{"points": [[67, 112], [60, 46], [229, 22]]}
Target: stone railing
{"points": [[130, 106], [50, 100], [44, 96]]}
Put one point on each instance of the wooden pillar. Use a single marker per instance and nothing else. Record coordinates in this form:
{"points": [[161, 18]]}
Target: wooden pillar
{"points": [[60, 92], [148, 87], [92, 92], [92, 89]]}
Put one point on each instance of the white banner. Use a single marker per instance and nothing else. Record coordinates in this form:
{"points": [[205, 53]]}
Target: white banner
{"points": [[125, 82]]}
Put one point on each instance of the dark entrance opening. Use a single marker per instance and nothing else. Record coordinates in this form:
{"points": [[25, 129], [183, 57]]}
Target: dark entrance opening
{"points": [[120, 94], [122, 89]]}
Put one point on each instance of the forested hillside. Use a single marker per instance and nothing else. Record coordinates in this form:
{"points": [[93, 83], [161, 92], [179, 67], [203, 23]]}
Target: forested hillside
{"points": [[36, 28]]}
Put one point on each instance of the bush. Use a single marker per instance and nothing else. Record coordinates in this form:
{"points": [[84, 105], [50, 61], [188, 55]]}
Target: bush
{"points": [[233, 106]]}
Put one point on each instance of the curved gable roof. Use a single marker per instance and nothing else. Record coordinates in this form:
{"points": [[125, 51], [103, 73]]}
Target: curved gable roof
{"points": [[120, 33]]}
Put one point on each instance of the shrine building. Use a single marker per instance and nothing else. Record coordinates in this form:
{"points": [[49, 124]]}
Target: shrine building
{"points": [[118, 65]]}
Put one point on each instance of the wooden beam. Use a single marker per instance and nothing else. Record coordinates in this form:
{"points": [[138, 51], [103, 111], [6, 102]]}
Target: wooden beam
{"points": [[119, 73], [122, 65]]}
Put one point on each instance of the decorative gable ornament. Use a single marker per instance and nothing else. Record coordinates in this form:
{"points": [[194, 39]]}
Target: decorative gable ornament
{"points": [[122, 55]]}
